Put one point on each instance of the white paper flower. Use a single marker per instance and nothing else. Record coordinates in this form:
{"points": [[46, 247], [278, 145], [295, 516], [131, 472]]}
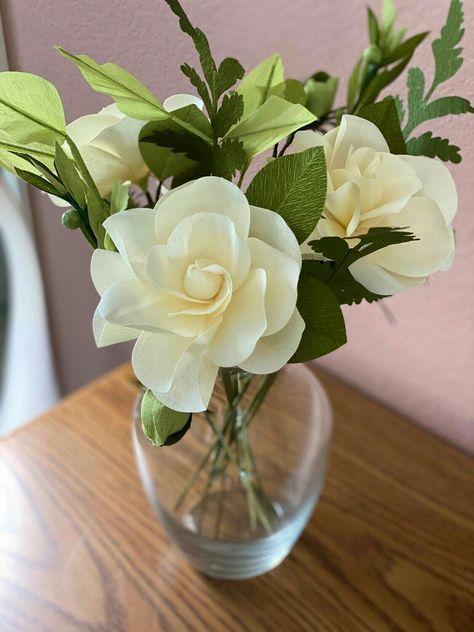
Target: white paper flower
{"points": [[108, 143], [368, 186], [203, 280]]}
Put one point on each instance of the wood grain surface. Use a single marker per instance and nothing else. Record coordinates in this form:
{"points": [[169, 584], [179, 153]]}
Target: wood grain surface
{"points": [[390, 547]]}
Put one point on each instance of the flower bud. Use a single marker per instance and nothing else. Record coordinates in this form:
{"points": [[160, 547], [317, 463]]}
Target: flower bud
{"points": [[372, 54], [71, 219]]}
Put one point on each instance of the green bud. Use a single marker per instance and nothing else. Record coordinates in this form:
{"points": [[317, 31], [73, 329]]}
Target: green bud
{"points": [[372, 54], [71, 219]]}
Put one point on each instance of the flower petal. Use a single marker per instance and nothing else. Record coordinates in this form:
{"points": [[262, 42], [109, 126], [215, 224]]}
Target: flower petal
{"points": [[86, 128], [437, 183], [107, 334], [178, 373], [104, 167], [133, 233], [355, 132], [131, 304], [178, 101], [209, 194], [380, 281], [281, 286], [273, 352], [417, 258], [108, 268], [210, 236], [243, 323], [271, 228]]}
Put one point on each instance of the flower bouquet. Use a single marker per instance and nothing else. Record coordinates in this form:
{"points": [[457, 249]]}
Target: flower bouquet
{"points": [[230, 273]]}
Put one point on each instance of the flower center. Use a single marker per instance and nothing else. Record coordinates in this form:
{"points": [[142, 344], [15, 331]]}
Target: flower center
{"points": [[202, 280]]}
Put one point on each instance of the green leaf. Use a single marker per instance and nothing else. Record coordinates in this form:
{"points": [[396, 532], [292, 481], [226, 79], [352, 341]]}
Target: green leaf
{"points": [[69, 176], [201, 44], [388, 15], [381, 81], [355, 82], [434, 146], [131, 96], [15, 155], [118, 197], [385, 116], [320, 91], [294, 186], [274, 120], [445, 106], [30, 109], [37, 181], [400, 110], [161, 425], [200, 85], [373, 27], [229, 114], [262, 82], [229, 158], [295, 91], [169, 150], [325, 330], [229, 72], [406, 48], [344, 287], [447, 57]]}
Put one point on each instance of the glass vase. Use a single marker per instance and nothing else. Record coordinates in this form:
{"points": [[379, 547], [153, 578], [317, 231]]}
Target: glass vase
{"points": [[236, 492]]}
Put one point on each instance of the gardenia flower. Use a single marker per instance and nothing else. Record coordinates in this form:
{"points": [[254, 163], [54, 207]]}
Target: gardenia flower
{"points": [[368, 186], [203, 281], [108, 143]]}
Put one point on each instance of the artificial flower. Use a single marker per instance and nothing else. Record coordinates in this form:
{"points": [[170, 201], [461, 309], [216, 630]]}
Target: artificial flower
{"points": [[108, 143], [367, 187], [203, 280]]}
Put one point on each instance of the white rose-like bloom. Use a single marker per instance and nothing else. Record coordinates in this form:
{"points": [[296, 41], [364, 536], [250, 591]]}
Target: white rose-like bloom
{"points": [[108, 144], [203, 281], [367, 187]]}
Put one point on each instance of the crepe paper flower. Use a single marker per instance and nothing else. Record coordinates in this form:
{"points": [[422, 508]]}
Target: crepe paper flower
{"points": [[203, 281], [368, 186], [108, 143]]}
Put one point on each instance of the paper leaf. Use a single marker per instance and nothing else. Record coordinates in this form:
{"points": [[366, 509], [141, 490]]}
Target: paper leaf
{"points": [[161, 425], [229, 114], [229, 158], [30, 109], [434, 146], [15, 155], [119, 197], [325, 329], [274, 120], [381, 81], [131, 96], [69, 176], [295, 92], [385, 116], [168, 149], [229, 72], [37, 181], [447, 57], [294, 186], [406, 48], [262, 82]]}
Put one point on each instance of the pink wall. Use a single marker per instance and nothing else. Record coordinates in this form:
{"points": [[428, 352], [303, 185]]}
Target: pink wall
{"points": [[424, 365]]}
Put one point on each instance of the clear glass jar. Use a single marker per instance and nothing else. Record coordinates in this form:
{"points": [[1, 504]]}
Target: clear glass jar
{"points": [[236, 492]]}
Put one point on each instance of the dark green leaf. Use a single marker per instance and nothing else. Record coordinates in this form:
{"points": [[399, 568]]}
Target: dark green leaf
{"points": [[229, 158], [193, 76], [161, 425], [381, 81], [447, 57], [37, 181], [384, 115], [294, 186], [229, 72], [229, 114], [400, 109], [344, 287], [325, 330], [434, 146], [69, 176]]}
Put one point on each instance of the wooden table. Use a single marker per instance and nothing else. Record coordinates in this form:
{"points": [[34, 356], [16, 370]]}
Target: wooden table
{"points": [[390, 547]]}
